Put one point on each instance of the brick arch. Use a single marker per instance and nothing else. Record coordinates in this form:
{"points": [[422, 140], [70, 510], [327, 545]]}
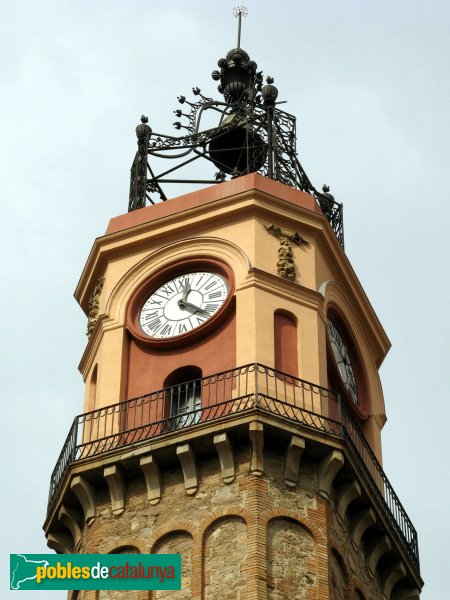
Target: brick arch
{"points": [[231, 511], [283, 513], [125, 542], [177, 540], [337, 554], [175, 527], [292, 568], [224, 557]]}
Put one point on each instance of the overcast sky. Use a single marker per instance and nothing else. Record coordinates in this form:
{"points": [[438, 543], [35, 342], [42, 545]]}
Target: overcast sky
{"points": [[369, 84]]}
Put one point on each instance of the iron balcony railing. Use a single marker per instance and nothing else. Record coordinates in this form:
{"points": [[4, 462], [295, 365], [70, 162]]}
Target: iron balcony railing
{"points": [[226, 394]]}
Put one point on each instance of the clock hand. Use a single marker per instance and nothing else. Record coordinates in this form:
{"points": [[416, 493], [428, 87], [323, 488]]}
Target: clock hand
{"points": [[182, 304], [186, 290]]}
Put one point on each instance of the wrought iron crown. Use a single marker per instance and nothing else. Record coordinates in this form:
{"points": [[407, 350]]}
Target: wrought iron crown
{"points": [[250, 135]]}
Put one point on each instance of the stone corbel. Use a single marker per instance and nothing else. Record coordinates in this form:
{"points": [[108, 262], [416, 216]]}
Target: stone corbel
{"points": [[226, 459], [256, 432], [382, 546], [361, 523], [116, 487], [346, 494], [329, 467], [85, 493], [396, 573], [67, 517], [187, 459], [60, 542], [292, 460], [152, 476]]}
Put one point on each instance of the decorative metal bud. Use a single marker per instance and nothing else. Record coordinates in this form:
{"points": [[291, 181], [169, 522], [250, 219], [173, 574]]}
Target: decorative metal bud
{"points": [[178, 112], [181, 99], [215, 75], [269, 92], [143, 129], [196, 91], [177, 125], [221, 62]]}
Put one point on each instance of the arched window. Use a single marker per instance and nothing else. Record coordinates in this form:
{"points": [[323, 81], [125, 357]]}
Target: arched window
{"points": [[183, 396], [285, 342]]}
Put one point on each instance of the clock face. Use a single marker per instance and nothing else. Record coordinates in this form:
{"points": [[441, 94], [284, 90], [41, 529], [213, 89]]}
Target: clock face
{"points": [[182, 304], [343, 361]]}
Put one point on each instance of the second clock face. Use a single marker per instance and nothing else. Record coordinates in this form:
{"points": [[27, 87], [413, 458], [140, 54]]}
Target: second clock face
{"points": [[343, 361], [182, 304]]}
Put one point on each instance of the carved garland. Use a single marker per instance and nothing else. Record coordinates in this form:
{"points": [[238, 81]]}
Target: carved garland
{"points": [[285, 263], [94, 305]]}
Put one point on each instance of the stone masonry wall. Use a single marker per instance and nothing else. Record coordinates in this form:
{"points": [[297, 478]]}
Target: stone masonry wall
{"points": [[252, 539]]}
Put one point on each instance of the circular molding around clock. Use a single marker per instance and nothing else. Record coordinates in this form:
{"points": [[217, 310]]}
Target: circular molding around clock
{"points": [[170, 309]]}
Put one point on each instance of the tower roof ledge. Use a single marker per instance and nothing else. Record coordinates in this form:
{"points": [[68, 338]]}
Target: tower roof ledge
{"points": [[253, 181]]}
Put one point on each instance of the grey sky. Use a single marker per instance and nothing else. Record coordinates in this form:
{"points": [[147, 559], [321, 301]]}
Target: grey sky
{"points": [[369, 83]]}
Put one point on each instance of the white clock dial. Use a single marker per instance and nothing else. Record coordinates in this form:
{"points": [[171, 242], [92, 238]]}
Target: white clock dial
{"points": [[343, 361], [182, 304]]}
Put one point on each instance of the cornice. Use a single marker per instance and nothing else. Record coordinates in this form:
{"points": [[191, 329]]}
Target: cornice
{"points": [[283, 288]]}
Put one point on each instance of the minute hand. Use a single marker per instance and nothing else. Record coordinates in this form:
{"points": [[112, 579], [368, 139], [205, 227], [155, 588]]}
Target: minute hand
{"points": [[182, 304]]}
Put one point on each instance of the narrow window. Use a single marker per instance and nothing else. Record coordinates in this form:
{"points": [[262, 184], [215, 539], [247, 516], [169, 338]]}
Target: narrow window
{"points": [[93, 390], [285, 337]]}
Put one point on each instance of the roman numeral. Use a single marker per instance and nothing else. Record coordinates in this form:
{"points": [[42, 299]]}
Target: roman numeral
{"points": [[167, 290], [150, 315], [153, 326], [182, 328], [166, 329], [334, 334], [200, 321], [210, 308], [199, 280], [181, 283], [214, 295]]}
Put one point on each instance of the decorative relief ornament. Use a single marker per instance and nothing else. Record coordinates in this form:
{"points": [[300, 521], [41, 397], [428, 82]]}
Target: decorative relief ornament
{"points": [[285, 263], [94, 305]]}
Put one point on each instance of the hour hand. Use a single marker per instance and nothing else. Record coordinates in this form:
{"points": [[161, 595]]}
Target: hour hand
{"points": [[183, 304]]}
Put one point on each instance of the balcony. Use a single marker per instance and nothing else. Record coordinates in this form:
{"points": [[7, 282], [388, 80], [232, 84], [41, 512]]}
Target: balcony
{"points": [[224, 396]]}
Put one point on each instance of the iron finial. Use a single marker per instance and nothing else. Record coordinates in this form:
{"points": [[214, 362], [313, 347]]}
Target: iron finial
{"points": [[240, 12]]}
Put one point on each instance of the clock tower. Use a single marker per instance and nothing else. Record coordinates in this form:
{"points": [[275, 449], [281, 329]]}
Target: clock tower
{"points": [[233, 408]]}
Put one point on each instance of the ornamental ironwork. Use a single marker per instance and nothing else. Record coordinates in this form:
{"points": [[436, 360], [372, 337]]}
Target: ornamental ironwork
{"points": [[245, 132]]}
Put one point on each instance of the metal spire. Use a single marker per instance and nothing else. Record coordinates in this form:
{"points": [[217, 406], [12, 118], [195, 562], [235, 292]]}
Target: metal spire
{"points": [[240, 12]]}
